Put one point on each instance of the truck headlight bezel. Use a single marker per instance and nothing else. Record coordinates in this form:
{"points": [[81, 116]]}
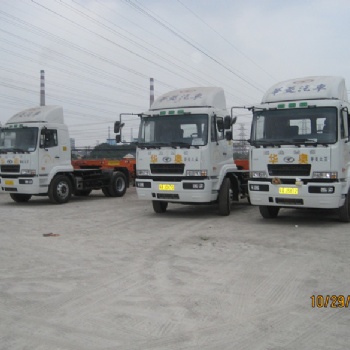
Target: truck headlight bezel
{"points": [[200, 173], [142, 172], [258, 174], [28, 172], [329, 175]]}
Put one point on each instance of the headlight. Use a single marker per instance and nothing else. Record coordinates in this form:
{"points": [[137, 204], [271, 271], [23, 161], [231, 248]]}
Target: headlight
{"points": [[258, 174], [142, 172], [196, 173], [325, 175], [28, 172]]}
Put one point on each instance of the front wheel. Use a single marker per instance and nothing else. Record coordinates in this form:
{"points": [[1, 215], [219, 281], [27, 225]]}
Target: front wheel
{"points": [[117, 187], [159, 206], [20, 197], [344, 210], [60, 189], [224, 197], [268, 212]]}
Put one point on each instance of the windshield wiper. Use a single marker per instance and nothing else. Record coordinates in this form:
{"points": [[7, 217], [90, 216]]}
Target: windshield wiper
{"points": [[153, 145], [305, 140], [19, 150], [266, 143], [180, 144], [311, 142]]}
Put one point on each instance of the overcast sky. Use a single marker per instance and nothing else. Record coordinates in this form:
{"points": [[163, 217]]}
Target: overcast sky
{"points": [[98, 55]]}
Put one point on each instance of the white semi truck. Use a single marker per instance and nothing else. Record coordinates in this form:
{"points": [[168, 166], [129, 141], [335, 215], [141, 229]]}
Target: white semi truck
{"points": [[184, 151], [300, 149], [35, 159]]}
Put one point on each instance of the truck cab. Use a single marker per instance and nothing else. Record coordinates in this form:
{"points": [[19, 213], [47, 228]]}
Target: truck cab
{"points": [[34, 146], [35, 159], [300, 152], [184, 150]]}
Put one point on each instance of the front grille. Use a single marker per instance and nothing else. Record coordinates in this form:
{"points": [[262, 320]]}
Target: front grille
{"points": [[10, 168], [289, 169], [167, 168], [290, 201], [9, 189], [167, 196]]}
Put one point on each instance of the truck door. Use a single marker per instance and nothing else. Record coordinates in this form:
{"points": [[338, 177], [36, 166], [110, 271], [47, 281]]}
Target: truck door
{"points": [[345, 135], [49, 155], [219, 146]]}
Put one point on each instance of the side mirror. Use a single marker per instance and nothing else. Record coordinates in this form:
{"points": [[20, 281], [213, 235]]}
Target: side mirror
{"points": [[220, 124], [227, 122], [118, 126], [228, 135], [43, 138]]}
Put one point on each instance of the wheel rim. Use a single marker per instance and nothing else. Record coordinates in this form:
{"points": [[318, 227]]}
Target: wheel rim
{"points": [[62, 190], [120, 184]]}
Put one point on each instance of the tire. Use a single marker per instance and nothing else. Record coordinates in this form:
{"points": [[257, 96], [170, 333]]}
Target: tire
{"points": [[159, 206], [224, 197], [82, 193], [269, 212], [20, 197], [344, 210], [117, 187], [60, 190]]}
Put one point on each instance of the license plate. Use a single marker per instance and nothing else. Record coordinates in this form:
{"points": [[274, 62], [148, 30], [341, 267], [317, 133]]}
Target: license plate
{"points": [[288, 190], [166, 187], [9, 182]]}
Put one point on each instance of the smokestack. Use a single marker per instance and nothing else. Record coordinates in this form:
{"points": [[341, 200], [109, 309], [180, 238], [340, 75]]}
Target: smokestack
{"points": [[42, 88], [151, 97]]}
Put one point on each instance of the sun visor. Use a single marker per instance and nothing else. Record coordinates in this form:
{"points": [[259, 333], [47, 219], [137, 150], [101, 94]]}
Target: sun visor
{"points": [[191, 97], [308, 88]]}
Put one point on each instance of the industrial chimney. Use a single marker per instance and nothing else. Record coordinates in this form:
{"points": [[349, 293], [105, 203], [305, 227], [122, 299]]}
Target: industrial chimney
{"points": [[151, 97], [42, 88]]}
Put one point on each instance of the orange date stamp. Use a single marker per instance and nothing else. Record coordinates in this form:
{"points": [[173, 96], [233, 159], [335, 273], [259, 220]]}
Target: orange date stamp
{"points": [[332, 301]]}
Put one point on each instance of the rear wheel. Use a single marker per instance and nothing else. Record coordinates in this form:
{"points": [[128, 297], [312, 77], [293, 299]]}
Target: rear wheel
{"points": [[159, 206], [117, 187], [20, 197], [268, 212], [344, 210], [224, 197], [60, 189]]}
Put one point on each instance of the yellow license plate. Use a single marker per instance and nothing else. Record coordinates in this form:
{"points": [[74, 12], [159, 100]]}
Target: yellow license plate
{"points": [[288, 190], [9, 182], [166, 187]]}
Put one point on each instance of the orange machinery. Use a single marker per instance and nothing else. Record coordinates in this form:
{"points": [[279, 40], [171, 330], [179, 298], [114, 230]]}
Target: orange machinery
{"points": [[125, 165]]}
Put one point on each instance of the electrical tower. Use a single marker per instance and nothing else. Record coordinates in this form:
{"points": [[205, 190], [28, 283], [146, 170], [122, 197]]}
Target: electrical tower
{"points": [[241, 146]]}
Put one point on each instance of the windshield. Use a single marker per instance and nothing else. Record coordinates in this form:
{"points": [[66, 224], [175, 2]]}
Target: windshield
{"points": [[18, 139], [294, 126], [174, 130]]}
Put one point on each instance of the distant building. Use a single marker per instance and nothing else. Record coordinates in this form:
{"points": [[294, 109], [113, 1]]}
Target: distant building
{"points": [[111, 142]]}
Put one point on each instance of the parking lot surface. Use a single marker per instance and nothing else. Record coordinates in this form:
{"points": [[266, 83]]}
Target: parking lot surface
{"points": [[109, 273]]}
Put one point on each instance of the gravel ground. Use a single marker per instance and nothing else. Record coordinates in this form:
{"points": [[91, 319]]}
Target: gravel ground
{"points": [[109, 273]]}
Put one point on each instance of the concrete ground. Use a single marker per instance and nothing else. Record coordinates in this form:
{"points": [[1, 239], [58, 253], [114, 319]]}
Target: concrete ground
{"points": [[109, 273]]}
